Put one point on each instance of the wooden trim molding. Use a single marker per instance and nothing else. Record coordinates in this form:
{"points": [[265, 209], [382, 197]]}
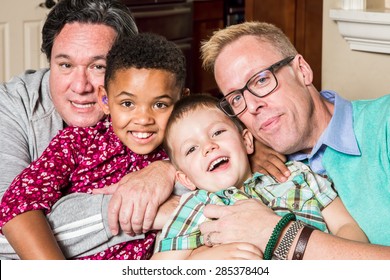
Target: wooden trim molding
{"points": [[364, 30]]}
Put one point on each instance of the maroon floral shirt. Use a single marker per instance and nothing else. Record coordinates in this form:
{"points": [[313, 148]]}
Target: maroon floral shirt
{"points": [[79, 160]]}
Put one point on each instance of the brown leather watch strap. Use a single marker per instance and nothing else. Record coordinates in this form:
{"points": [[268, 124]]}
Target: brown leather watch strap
{"points": [[302, 243]]}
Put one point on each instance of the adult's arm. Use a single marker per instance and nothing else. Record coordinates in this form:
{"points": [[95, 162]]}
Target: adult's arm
{"points": [[251, 221], [137, 197], [267, 161], [165, 211], [232, 251]]}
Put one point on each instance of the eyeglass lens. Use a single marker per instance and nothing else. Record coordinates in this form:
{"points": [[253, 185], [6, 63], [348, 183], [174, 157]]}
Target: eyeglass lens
{"points": [[260, 85]]}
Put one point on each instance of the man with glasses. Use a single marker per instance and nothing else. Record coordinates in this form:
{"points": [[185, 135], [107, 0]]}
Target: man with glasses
{"points": [[268, 86], [260, 84]]}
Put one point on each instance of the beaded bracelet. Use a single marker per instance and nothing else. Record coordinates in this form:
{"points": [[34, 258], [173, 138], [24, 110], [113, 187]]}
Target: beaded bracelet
{"points": [[276, 234], [282, 250]]}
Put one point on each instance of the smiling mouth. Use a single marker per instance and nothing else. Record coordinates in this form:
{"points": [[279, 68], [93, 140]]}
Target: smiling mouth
{"points": [[217, 163], [268, 123], [83, 105], [142, 135]]}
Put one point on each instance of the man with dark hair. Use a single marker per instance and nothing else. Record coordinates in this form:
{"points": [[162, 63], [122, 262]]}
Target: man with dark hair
{"points": [[77, 36]]}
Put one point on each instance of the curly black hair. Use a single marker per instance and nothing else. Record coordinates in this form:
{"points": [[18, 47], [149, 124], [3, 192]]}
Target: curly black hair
{"points": [[146, 51]]}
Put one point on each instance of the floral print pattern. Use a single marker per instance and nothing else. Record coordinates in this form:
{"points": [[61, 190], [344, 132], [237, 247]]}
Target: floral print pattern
{"points": [[79, 160]]}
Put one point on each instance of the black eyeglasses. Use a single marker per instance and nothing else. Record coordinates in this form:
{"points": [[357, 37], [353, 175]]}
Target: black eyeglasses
{"points": [[260, 85]]}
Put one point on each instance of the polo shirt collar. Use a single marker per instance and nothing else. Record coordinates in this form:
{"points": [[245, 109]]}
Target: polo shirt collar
{"points": [[338, 133]]}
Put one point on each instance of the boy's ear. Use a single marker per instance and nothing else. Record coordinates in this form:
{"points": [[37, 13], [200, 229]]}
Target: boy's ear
{"points": [[248, 141], [103, 100], [185, 181], [185, 92]]}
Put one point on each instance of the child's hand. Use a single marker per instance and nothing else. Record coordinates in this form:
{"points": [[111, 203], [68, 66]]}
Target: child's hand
{"points": [[231, 251], [265, 160]]}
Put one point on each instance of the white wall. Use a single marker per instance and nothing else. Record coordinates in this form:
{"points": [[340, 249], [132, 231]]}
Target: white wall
{"points": [[353, 74], [21, 23]]}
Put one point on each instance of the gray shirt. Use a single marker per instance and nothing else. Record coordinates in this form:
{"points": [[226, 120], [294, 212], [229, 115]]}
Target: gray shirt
{"points": [[28, 122]]}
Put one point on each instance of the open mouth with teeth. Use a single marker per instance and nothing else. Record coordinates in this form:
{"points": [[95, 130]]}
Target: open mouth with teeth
{"points": [[83, 105], [217, 163], [142, 135]]}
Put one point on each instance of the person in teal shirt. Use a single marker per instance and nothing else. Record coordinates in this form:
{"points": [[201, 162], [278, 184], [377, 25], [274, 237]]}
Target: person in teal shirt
{"points": [[363, 160], [267, 84]]}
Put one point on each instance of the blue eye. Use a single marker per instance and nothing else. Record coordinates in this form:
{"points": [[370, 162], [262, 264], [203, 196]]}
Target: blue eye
{"points": [[235, 100], [261, 80]]}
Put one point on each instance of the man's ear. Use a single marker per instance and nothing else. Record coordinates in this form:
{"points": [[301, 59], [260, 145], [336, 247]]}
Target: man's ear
{"points": [[305, 70], [248, 141], [103, 100], [185, 181]]}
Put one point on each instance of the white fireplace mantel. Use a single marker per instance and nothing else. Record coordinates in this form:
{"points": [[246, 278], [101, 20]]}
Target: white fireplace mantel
{"points": [[364, 30]]}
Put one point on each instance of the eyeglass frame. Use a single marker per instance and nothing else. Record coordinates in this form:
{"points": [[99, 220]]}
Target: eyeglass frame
{"points": [[273, 68]]}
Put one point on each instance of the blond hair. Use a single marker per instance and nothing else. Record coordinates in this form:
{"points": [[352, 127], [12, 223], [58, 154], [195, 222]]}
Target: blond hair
{"points": [[265, 32]]}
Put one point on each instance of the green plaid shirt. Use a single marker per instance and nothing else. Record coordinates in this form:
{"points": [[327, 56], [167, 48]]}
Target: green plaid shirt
{"points": [[305, 194]]}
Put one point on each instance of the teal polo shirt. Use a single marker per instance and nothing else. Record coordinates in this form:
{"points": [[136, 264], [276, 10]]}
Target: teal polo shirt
{"points": [[354, 151]]}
